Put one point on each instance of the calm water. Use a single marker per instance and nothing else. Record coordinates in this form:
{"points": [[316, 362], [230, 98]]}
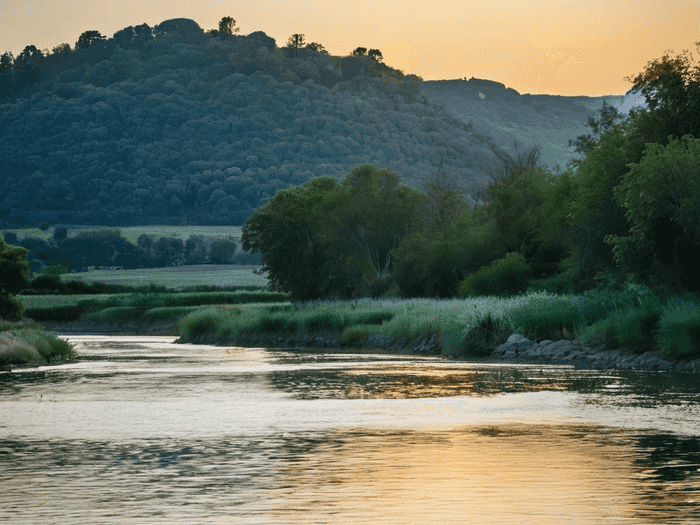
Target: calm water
{"points": [[144, 431]]}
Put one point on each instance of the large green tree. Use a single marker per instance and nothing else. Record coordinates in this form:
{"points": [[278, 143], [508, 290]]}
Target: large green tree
{"points": [[14, 277], [329, 239], [287, 232], [661, 195]]}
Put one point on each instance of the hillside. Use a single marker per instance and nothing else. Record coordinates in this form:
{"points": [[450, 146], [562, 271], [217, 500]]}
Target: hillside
{"points": [[503, 114], [172, 125]]}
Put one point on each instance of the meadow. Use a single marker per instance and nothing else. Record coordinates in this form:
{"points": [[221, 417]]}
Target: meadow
{"points": [[132, 233], [176, 277]]}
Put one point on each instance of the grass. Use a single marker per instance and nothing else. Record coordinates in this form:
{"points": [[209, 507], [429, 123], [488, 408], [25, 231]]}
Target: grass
{"points": [[151, 306], [176, 277], [132, 233], [474, 326], [22, 343]]}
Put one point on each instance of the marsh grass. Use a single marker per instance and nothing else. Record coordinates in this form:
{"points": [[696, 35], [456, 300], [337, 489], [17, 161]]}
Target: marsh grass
{"points": [[27, 342], [121, 307], [633, 318]]}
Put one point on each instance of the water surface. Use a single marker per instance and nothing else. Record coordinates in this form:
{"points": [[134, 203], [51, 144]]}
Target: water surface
{"points": [[141, 430]]}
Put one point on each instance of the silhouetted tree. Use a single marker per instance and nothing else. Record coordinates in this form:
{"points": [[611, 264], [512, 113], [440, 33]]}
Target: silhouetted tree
{"points": [[227, 26], [359, 51], [375, 54], [88, 38], [296, 41]]}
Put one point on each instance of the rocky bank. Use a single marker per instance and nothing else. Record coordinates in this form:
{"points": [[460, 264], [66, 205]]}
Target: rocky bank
{"points": [[517, 349]]}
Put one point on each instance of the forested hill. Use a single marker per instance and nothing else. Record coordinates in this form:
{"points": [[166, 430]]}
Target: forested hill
{"points": [[171, 124]]}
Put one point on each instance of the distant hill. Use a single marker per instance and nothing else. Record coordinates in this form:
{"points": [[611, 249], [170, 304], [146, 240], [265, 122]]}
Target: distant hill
{"points": [[503, 114], [172, 125]]}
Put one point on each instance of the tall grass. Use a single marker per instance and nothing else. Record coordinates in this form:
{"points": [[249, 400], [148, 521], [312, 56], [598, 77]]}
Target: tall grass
{"points": [[633, 318], [27, 342]]}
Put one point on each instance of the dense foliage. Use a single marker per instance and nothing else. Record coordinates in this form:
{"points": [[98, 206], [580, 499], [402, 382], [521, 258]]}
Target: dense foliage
{"points": [[107, 247], [14, 276], [628, 211], [169, 123], [334, 239]]}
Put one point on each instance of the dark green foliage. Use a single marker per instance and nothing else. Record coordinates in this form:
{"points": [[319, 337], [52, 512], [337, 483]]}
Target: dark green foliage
{"points": [[507, 276], [14, 269], [10, 308], [485, 337], [14, 277], [205, 325], [222, 251], [56, 313], [88, 38]]}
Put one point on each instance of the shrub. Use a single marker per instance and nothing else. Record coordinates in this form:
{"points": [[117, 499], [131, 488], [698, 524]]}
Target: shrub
{"points": [[548, 318], [11, 309], [354, 335], [679, 328], [56, 313], [483, 338], [506, 276], [198, 324]]}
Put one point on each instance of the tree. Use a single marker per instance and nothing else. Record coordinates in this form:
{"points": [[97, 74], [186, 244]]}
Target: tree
{"points": [[671, 87], [318, 48], [296, 41], [359, 51], [6, 62], [661, 194], [88, 38], [375, 213], [287, 233], [222, 251], [28, 66], [227, 26], [14, 277], [375, 54]]}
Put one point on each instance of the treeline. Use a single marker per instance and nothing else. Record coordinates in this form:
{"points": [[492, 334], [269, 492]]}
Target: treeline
{"points": [[108, 248], [165, 123], [629, 210]]}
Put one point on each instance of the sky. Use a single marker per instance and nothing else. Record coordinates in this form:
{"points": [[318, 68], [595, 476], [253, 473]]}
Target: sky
{"points": [[556, 47]]}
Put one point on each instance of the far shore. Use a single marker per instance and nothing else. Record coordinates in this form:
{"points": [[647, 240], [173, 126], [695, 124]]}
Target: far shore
{"points": [[518, 351]]}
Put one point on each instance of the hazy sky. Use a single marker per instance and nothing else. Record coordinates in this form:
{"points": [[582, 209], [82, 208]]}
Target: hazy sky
{"points": [[574, 47]]}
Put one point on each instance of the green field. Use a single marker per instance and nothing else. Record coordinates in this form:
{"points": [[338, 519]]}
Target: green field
{"points": [[176, 277], [132, 233]]}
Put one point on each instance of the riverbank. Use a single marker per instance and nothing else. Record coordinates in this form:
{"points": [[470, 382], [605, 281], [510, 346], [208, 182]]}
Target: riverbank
{"points": [[517, 349], [28, 343]]}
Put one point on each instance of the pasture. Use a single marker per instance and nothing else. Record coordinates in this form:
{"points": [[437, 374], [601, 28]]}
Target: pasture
{"points": [[176, 277], [132, 233]]}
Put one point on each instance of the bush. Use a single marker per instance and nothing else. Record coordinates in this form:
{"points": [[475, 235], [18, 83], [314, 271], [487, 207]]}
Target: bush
{"points": [[199, 324], [679, 328], [355, 335], [11, 309], [56, 313], [548, 318], [483, 338], [506, 276]]}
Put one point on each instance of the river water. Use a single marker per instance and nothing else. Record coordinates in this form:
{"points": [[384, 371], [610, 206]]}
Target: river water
{"points": [[141, 430]]}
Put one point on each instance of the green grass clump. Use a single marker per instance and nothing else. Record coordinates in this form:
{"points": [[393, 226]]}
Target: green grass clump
{"points": [[356, 334], [26, 342], [168, 312], [679, 328]]}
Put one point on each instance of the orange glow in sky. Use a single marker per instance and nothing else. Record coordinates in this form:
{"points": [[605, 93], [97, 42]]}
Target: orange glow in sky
{"points": [[558, 47]]}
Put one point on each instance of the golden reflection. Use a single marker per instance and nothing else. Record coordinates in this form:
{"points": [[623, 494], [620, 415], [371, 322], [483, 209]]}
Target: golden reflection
{"points": [[506, 474], [418, 381]]}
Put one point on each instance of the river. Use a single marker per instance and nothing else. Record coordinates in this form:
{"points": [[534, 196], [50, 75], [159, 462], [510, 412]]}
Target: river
{"points": [[141, 430]]}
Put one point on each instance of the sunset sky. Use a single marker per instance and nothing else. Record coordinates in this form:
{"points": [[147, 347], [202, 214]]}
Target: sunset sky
{"points": [[575, 47]]}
